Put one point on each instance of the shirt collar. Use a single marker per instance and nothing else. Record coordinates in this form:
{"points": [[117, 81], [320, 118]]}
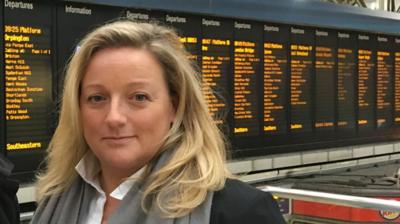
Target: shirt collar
{"points": [[89, 168]]}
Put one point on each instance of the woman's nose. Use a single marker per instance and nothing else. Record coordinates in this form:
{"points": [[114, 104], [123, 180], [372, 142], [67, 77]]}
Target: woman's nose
{"points": [[116, 114]]}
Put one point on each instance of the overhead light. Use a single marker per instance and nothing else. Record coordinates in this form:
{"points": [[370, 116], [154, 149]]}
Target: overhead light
{"points": [[373, 5]]}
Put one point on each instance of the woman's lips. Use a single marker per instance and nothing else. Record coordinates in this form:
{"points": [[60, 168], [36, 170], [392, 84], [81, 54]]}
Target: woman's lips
{"points": [[117, 140]]}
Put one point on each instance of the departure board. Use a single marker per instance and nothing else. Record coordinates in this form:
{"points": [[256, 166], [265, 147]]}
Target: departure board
{"points": [[325, 69], [301, 72], [28, 82], [397, 81], [346, 82], [189, 34], [271, 87], [366, 83], [276, 39], [384, 82], [247, 48], [73, 22], [216, 66], [2, 108]]}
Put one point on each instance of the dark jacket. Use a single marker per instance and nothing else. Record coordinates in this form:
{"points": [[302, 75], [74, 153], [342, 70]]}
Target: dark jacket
{"points": [[9, 209], [239, 203]]}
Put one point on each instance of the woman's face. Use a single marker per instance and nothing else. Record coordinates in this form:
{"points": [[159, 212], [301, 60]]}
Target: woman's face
{"points": [[125, 107]]}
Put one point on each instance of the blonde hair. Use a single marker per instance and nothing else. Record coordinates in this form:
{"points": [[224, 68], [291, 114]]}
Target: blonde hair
{"points": [[197, 164]]}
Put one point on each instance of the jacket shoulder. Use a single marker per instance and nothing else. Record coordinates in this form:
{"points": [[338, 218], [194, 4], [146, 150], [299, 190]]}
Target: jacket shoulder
{"points": [[9, 208], [238, 202]]}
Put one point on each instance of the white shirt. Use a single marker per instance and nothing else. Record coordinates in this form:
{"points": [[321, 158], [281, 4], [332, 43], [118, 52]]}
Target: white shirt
{"points": [[89, 168]]}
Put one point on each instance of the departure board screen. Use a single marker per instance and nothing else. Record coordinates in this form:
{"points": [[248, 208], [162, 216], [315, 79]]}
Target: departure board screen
{"points": [[247, 48], [276, 39], [301, 72], [397, 81], [366, 83], [28, 82], [271, 87], [188, 31], [2, 108], [73, 22], [346, 82], [384, 82], [216, 66], [325, 69]]}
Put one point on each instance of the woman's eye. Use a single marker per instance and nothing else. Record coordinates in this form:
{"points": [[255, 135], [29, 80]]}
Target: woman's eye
{"points": [[140, 97], [95, 98]]}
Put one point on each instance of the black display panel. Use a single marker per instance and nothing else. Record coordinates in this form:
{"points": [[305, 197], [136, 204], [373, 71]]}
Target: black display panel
{"points": [[188, 30], [346, 82], [28, 83], [397, 81], [247, 48], [384, 82], [276, 39], [325, 69], [2, 92], [274, 88], [73, 22], [216, 66], [301, 73], [366, 82]]}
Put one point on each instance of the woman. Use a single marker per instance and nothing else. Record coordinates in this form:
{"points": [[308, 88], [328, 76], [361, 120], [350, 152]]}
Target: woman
{"points": [[135, 142]]}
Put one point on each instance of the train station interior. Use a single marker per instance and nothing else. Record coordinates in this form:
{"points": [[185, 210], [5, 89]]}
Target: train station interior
{"points": [[306, 93]]}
